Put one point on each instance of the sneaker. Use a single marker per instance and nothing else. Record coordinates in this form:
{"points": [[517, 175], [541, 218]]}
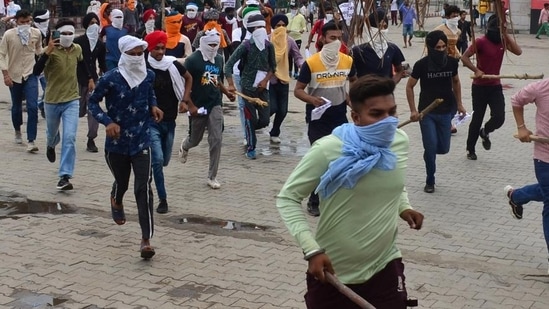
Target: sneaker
{"points": [[453, 130], [213, 183], [313, 210], [516, 210], [162, 206], [429, 189], [50, 154], [244, 142], [183, 154], [31, 147], [42, 113], [296, 75], [275, 139], [18, 138], [251, 155], [90, 146], [485, 139], [471, 155], [64, 183], [537, 37]]}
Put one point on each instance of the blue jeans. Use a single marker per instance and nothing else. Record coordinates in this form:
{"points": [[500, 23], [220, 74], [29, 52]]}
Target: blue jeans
{"points": [[42, 80], [537, 192], [162, 135], [483, 21], [435, 134], [67, 113], [28, 88], [278, 105], [236, 79]]}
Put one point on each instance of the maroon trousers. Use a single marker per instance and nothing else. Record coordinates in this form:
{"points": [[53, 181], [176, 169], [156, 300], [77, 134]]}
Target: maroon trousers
{"points": [[385, 290]]}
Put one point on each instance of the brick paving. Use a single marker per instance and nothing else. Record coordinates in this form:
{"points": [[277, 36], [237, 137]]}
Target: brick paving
{"points": [[470, 253]]}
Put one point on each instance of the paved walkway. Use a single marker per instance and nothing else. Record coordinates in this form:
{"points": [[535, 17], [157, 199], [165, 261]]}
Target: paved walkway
{"points": [[470, 253]]}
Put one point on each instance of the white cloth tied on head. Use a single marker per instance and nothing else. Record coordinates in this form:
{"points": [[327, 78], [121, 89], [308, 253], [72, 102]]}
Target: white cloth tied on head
{"points": [[209, 52], [43, 16], [132, 68], [66, 28], [115, 21], [192, 6]]}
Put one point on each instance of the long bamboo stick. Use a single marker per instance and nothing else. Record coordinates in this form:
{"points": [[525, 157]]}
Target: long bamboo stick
{"points": [[429, 108], [510, 76]]}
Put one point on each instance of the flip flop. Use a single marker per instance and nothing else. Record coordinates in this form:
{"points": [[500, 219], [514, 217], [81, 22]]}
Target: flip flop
{"points": [[147, 252], [118, 215]]}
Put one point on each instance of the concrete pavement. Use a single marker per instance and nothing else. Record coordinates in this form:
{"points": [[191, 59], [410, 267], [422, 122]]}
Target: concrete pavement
{"points": [[470, 253]]}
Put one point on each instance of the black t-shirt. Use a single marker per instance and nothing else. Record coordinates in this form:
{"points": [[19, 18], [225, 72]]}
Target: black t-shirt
{"points": [[366, 60], [436, 85], [165, 94], [206, 76]]}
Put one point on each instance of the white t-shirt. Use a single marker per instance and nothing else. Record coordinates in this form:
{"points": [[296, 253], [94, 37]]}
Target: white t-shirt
{"points": [[394, 5], [12, 9]]}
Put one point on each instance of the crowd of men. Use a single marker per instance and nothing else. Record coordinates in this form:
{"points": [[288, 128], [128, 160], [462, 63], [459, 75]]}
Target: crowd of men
{"points": [[148, 69]]}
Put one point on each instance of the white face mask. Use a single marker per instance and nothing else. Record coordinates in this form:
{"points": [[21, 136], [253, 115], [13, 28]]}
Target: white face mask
{"points": [[206, 10], [209, 53], [329, 17], [149, 26], [66, 40], [43, 27], [452, 24], [191, 14], [133, 62], [133, 69], [294, 12], [329, 55], [93, 35], [260, 36], [93, 31], [118, 22]]}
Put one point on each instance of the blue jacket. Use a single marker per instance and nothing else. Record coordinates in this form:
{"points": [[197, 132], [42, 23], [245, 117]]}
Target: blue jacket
{"points": [[129, 108]]}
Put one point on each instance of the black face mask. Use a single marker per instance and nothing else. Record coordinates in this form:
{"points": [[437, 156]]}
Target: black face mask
{"points": [[437, 59], [493, 36]]}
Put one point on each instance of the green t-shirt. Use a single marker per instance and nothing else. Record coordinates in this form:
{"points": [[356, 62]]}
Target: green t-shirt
{"points": [[357, 227], [206, 75], [60, 72]]}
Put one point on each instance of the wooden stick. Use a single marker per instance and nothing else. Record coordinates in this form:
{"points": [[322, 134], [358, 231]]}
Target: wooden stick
{"points": [[510, 76], [538, 139], [429, 108], [257, 101], [343, 289]]}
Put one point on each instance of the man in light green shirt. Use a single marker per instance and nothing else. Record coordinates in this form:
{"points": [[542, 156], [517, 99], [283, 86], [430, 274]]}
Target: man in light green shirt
{"points": [[359, 172]]}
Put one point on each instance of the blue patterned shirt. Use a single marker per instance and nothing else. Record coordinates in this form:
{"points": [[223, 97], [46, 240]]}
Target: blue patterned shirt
{"points": [[129, 108]]}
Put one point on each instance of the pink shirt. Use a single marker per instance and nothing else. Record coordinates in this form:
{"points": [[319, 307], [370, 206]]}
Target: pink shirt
{"points": [[544, 16], [537, 93]]}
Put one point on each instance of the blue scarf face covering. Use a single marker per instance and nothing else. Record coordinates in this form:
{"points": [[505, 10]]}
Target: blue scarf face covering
{"points": [[364, 148]]}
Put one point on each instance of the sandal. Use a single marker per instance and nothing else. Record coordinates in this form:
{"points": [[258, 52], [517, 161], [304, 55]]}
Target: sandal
{"points": [[118, 214], [147, 252]]}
